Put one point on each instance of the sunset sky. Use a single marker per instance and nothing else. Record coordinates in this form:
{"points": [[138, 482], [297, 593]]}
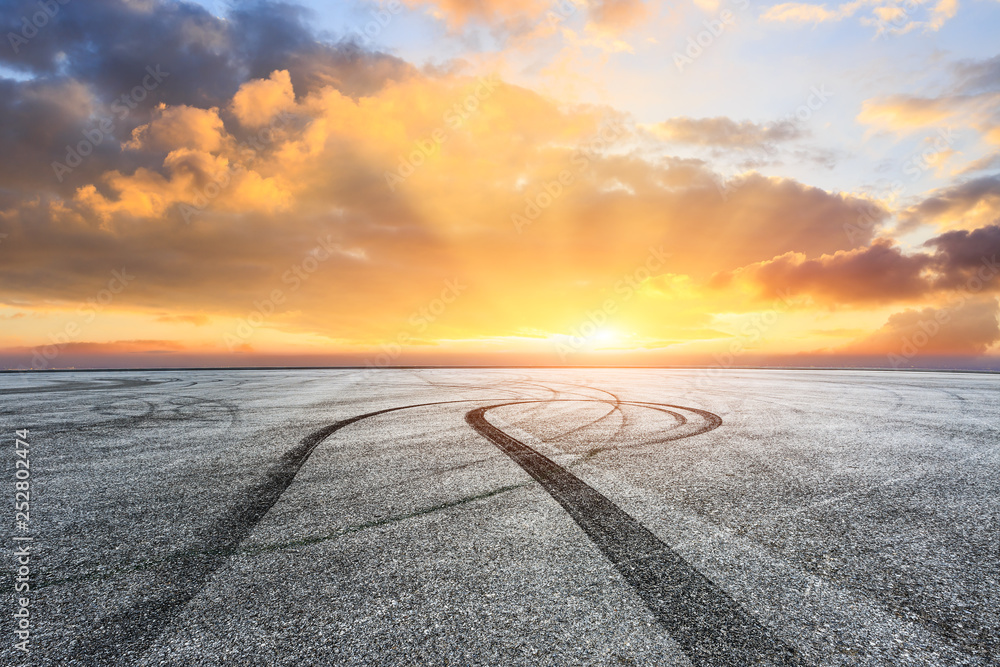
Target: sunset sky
{"points": [[500, 182]]}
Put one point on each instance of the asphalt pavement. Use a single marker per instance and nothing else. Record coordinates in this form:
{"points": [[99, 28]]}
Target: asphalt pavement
{"points": [[505, 516]]}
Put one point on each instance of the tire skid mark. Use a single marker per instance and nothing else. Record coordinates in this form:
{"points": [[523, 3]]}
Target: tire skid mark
{"points": [[125, 568], [709, 625], [681, 422], [104, 384], [594, 422], [616, 406], [128, 633]]}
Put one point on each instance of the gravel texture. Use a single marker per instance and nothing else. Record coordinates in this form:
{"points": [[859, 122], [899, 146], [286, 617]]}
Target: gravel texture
{"points": [[585, 516]]}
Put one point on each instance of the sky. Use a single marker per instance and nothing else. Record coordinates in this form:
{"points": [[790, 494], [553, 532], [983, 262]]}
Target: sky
{"points": [[481, 182]]}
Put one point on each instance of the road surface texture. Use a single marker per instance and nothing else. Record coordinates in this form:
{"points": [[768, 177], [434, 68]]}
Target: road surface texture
{"points": [[508, 516]]}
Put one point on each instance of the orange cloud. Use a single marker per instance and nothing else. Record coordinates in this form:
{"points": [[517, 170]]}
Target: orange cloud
{"points": [[459, 12], [619, 14], [902, 114], [331, 202], [257, 102], [424, 177], [886, 16], [609, 15], [800, 12], [966, 205], [180, 127], [197, 320], [964, 327], [879, 273]]}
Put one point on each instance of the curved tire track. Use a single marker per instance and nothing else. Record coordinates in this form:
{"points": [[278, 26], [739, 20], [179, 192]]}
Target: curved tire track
{"points": [[126, 634], [707, 623]]}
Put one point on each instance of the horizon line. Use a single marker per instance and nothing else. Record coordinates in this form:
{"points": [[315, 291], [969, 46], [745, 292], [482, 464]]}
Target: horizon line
{"points": [[160, 369]]}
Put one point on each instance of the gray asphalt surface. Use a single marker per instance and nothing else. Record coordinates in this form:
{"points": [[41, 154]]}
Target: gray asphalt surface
{"points": [[667, 517]]}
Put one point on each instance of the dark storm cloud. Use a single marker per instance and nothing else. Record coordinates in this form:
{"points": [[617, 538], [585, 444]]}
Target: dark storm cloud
{"points": [[961, 256], [109, 43], [91, 61], [882, 272]]}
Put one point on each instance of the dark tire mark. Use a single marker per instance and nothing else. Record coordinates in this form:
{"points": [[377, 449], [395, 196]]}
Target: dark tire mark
{"points": [[593, 422], [710, 627], [80, 385], [681, 421], [125, 635], [616, 406]]}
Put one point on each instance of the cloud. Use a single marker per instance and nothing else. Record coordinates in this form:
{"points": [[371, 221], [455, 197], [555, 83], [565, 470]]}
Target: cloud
{"points": [[81, 67], [966, 327], [324, 173], [618, 14], [180, 127], [967, 204], [984, 163], [968, 258], [213, 211], [257, 102], [972, 100], [521, 15], [962, 262], [886, 16], [197, 320], [208, 56], [880, 273], [127, 347], [978, 75], [905, 112], [801, 12], [725, 132], [354, 186], [459, 12], [39, 121]]}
